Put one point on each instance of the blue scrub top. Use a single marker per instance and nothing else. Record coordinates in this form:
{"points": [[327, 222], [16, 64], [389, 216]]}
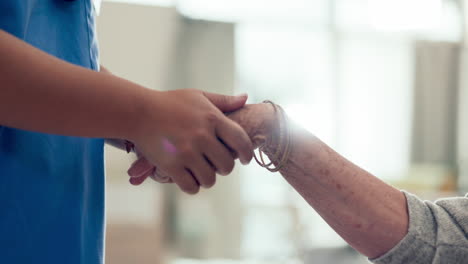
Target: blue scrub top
{"points": [[51, 187]]}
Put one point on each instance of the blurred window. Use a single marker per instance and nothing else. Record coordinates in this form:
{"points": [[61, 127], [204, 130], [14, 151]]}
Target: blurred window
{"points": [[345, 72]]}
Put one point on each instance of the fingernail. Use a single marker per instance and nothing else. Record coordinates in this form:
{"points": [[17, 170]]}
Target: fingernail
{"points": [[132, 182], [139, 168]]}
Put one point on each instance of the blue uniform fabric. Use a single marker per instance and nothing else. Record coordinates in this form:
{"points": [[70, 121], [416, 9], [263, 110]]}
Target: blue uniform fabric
{"points": [[51, 187]]}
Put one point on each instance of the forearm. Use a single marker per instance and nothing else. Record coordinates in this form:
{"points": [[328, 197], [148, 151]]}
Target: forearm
{"points": [[116, 143], [103, 69], [369, 214], [41, 93], [376, 219]]}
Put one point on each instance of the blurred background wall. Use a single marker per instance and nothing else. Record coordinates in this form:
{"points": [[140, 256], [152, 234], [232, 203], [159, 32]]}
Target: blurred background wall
{"points": [[383, 82], [137, 43]]}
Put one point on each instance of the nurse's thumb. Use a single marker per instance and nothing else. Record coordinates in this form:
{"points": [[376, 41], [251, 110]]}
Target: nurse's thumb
{"points": [[227, 103]]}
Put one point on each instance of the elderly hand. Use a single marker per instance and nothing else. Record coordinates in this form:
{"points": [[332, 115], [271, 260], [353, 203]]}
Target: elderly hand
{"points": [[258, 121]]}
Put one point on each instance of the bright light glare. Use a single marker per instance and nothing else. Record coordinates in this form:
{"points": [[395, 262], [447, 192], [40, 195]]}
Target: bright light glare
{"points": [[147, 2], [254, 10], [405, 15], [314, 120]]}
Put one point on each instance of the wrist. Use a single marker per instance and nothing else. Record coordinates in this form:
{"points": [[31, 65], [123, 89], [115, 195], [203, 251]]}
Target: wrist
{"points": [[277, 145], [147, 109], [272, 130]]}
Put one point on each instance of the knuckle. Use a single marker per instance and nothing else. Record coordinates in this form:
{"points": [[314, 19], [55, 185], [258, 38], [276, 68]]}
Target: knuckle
{"points": [[211, 117], [186, 152], [169, 168], [201, 135]]}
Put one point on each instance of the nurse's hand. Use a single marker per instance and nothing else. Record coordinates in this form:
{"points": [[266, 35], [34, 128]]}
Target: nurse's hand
{"points": [[258, 120], [185, 134]]}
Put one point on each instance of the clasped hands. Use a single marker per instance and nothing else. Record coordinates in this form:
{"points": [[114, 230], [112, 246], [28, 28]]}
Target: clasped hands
{"points": [[200, 137]]}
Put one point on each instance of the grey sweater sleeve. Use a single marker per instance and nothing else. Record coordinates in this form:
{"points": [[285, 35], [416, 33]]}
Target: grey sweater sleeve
{"points": [[438, 233]]}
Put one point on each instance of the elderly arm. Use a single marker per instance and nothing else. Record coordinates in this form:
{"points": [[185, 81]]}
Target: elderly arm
{"points": [[359, 206], [378, 220], [381, 222]]}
